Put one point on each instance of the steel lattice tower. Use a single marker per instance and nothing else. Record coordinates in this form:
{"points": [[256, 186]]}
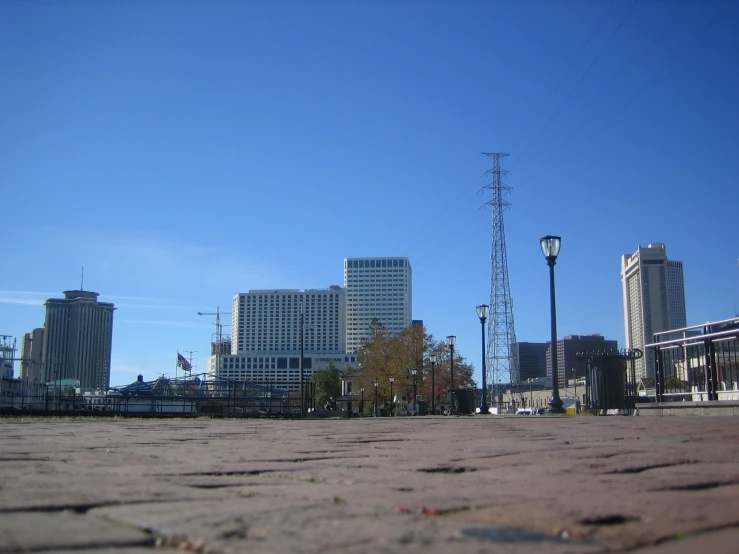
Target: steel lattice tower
{"points": [[502, 363]]}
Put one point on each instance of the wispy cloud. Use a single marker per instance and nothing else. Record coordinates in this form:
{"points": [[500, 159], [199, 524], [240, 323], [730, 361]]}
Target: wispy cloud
{"points": [[159, 260], [37, 298], [25, 297], [165, 323]]}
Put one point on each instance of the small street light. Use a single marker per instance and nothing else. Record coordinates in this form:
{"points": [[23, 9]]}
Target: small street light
{"points": [[361, 402], [550, 248], [392, 380], [414, 371], [432, 357], [375, 383], [482, 313], [451, 340]]}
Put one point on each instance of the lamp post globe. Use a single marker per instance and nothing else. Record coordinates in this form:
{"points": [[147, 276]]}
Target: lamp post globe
{"points": [[482, 313], [451, 340], [432, 358], [550, 248]]}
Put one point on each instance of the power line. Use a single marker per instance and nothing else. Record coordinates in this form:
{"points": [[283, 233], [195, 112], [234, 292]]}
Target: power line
{"points": [[582, 78], [569, 69], [599, 94]]}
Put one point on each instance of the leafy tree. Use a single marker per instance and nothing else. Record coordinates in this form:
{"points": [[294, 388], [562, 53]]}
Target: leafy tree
{"points": [[383, 356], [328, 384]]}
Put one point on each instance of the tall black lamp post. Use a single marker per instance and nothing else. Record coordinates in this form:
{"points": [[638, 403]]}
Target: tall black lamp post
{"points": [[432, 357], [550, 247], [482, 313], [451, 340], [302, 381], [375, 383], [392, 380], [414, 372], [361, 402]]}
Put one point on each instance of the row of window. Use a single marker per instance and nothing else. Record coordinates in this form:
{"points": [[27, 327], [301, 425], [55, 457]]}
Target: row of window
{"points": [[361, 264]]}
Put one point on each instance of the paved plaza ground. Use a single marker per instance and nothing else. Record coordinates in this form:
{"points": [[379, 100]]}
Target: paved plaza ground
{"points": [[457, 484]]}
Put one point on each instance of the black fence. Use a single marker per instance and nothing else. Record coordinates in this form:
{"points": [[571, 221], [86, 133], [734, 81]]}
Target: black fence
{"points": [[699, 363], [164, 397]]}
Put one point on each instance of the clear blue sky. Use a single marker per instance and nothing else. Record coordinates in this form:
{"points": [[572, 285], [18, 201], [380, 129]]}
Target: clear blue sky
{"points": [[183, 152]]}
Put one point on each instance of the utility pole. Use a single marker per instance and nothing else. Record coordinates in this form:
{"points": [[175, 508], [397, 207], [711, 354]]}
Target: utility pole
{"points": [[502, 361]]}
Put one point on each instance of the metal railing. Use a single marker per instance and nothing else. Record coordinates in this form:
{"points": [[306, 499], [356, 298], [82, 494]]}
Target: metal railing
{"points": [[699, 363]]}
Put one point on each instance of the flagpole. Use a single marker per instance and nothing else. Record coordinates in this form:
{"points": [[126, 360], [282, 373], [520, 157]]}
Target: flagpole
{"points": [[176, 365]]}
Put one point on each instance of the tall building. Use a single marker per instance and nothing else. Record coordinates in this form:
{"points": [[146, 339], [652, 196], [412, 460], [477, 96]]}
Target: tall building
{"points": [[654, 299], [531, 357], [676, 293], [265, 336], [568, 365], [376, 288], [32, 355], [268, 320], [78, 332]]}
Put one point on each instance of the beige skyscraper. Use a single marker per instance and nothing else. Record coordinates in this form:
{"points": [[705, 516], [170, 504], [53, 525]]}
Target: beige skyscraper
{"points": [[32, 355], [654, 299]]}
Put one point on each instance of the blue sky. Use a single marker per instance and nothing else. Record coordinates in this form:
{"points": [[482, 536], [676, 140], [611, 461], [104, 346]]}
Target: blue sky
{"points": [[183, 152]]}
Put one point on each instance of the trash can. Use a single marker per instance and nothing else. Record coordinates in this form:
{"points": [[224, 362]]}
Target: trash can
{"points": [[465, 401], [607, 378]]}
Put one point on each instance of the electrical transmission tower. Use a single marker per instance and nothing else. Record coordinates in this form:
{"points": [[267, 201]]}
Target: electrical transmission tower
{"points": [[502, 363]]}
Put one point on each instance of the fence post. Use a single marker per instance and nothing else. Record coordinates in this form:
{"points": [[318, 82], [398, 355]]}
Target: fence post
{"points": [[711, 371]]}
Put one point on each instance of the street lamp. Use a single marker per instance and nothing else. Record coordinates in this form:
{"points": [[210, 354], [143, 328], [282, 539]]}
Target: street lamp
{"points": [[550, 248], [531, 396], [375, 383], [451, 341], [302, 378], [414, 371], [392, 380], [432, 357], [482, 313], [361, 402]]}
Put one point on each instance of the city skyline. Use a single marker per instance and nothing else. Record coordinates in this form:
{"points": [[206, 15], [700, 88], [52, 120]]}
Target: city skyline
{"points": [[183, 155]]}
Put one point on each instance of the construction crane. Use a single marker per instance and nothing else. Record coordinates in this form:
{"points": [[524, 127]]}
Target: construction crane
{"points": [[219, 327]]}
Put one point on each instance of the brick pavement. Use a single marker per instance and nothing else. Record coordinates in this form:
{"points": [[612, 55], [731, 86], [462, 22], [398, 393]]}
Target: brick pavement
{"points": [[466, 484]]}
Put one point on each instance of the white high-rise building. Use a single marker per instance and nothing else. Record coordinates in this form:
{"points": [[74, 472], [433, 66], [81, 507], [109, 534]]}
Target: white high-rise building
{"points": [[265, 336], [269, 320], [654, 299], [376, 288]]}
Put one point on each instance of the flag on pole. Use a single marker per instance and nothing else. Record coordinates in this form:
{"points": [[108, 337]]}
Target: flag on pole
{"points": [[183, 363]]}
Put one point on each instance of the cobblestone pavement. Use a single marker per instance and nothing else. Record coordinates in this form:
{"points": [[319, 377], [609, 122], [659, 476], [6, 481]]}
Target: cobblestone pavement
{"points": [[464, 484]]}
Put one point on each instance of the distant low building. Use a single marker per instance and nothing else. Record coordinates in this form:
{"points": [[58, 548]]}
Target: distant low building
{"points": [[568, 366]]}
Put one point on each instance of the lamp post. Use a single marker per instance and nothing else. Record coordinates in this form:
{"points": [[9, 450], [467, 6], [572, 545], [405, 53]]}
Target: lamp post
{"points": [[482, 313], [414, 372], [361, 402], [531, 396], [302, 338], [375, 383], [550, 248], [451, 340], [574, 379], [392, 380], [432, 357]]}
